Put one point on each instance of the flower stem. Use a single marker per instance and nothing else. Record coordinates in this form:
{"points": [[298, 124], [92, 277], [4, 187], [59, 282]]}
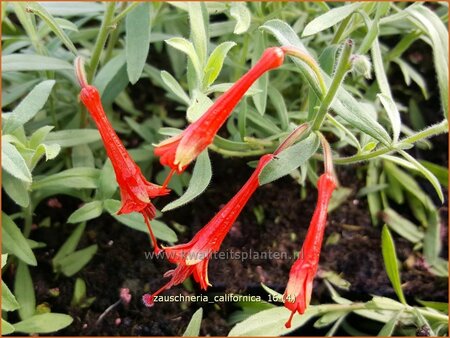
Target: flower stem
{"points": [[101, 40], [127, 10], [292, 51], [340, 31], [433, 130], [225, 152], [113, 38], [342, 68], [293, 137]]}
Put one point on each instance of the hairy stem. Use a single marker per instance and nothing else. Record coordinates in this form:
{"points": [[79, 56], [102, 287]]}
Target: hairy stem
{"points": [[101, 40], [342, 68]]}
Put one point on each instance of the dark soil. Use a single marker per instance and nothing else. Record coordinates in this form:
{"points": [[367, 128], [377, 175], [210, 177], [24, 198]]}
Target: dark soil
{"points": [[120, 260]]}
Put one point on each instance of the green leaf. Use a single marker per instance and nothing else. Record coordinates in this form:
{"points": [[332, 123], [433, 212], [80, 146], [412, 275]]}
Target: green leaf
{"points": [[432, 243], [393, 114], [79, 293], [72, 8], [187, 47], [28, 107], [172, 85], [4, 260], [198, 23], [200, 104], [86, 212], [112, 79], [9, 302], [16, 189], [389, 327], [409, 184], [242, 15], [14, 91], [440, 306], [14, 163], [201, 176], [425, 172], [260, 99], [136, 221], [271, 322], [433, 26], [6, 328], [402, 226], [44, 323], [32, 62], [440, 172], [78, 178], [107, 184], [409, 73], [215, 62], [329, 318], [49, 150], [39, 136], [73, 137], [40, 11], [329, 19], [74, 262], [82, 156], [278, 101], [344, 104], [69, 246], [14, 241], [391, 263], [373, 199], [193, 329], [289, 159], [137, 40], [24, 291]]}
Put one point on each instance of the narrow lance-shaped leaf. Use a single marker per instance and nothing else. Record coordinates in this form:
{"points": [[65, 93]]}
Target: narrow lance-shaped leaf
{"points": [[174, 87], [289, 159], [391, 263], [242, 15], [193, 329], [14, 241], [188, 48], [6, 327], [40, 11], [135, 221], [432, 25], [425, 172], [215, 62], [329, 19], [44, 323], [9, 302], [386, 95], [24, 291], [32, 62], [28, 107], [201, 177], [402, 226], [137, 40], [260, 99], [198, 19], [86, 212]]}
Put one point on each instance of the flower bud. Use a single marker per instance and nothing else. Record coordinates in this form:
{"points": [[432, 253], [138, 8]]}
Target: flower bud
{"points": [[361, 65]]}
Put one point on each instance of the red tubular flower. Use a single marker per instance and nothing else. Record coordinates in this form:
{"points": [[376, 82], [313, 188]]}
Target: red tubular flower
{"points": [[299, 288], [180, 150], [135, 190], [192, 258]]}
